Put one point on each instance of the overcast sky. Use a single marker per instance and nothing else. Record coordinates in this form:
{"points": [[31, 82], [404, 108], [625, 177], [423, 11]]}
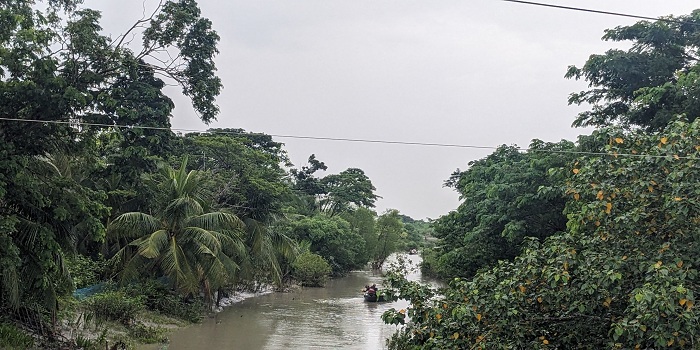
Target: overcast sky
{"points": [[467, 72]]}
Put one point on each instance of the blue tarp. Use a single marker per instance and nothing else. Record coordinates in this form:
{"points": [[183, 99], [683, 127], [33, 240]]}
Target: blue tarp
{"points": [[89, 291]]}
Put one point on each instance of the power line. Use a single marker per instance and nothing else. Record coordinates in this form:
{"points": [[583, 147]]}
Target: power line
{"points": [[600, 12], [340, 139]]}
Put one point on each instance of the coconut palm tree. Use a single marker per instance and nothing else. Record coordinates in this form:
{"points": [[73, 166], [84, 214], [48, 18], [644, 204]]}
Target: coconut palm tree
{"points": [[195, 248], [265, 245]]}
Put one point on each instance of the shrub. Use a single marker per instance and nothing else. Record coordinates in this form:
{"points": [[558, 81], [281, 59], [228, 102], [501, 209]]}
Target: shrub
{"points": [[311, 269], [158, 297], [12, 337], [85, 271], [147, 334], [115, 306]]}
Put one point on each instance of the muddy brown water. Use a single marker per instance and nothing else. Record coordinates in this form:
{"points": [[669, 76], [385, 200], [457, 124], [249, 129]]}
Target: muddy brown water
{"points": [[334, 317]]}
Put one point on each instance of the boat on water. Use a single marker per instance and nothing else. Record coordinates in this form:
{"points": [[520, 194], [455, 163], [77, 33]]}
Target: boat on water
{"points": [[372, 294], [372, 298]]}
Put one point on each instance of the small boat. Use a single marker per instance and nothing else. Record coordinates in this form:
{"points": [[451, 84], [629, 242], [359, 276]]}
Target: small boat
{"points": [[373, 297]]}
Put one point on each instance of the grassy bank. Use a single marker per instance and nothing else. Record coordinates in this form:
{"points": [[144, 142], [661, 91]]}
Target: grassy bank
{"points": [[115, 318]]}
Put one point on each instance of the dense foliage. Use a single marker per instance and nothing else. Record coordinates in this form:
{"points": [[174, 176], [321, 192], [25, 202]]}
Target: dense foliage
{"points": [[648, 84], [311, 269], [95, 187], [623, 274], [507, 196]]}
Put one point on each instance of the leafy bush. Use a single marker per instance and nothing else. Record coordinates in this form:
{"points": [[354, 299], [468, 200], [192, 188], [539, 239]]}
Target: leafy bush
{"points": [[311, 269], [85, 271], [115, 306], [12, 337], [147, 334], [158, 297]]}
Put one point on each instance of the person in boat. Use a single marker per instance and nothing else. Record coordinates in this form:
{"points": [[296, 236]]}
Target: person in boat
{"points": [[370, 290]]}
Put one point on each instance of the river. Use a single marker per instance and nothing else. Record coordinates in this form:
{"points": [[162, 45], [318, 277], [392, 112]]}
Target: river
{"points": [[334, 317]]}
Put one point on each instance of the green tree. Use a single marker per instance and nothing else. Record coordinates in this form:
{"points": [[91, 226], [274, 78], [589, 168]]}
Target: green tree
{"points": [[507, 196], [390, 229], [194, 248], [650, 83], [44, 215], [333, 239], [307, 186], [363, 221], [624, 275], [349, 189], [417, 233], [246, 177], [246, 170], [311, 269], [56, 72]]}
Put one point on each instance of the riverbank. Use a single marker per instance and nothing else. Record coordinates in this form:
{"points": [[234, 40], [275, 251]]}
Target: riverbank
{"points": [[130, 317]]}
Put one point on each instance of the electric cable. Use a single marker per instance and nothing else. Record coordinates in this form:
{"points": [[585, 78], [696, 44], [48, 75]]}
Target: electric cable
{"points": [[601, 12], [341, 139]]}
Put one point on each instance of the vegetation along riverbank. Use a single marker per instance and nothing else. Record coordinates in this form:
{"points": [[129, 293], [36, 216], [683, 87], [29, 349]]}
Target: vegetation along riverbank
{"points": [[159, 225], [586, 245], [115, 228]]}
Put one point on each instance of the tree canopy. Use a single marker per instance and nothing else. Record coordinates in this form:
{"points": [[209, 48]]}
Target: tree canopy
{"points": [[622, 274], [57, 72], [506, 197], [650, 83]]}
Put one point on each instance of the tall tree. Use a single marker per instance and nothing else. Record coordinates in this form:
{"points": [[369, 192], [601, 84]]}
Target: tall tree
{"points": [[363, 221], [307, 186], [346, 190], [389, 230], [248, 179], [194, 248], [246, 169], [650, 83], [333, 239], [58, 72], [624, 275], [506, 197]]}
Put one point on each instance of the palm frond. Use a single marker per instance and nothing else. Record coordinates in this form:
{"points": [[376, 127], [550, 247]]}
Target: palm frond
{"points": [[150, 246], [179, 209], [175, 264], [11, 284], [215, 221], [132, 225], [28, 232], [201, 236], [232, 243], [135, 267]]}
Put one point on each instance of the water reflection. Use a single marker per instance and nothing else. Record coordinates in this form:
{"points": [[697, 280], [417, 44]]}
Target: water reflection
{"points": [[334, 317]]}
